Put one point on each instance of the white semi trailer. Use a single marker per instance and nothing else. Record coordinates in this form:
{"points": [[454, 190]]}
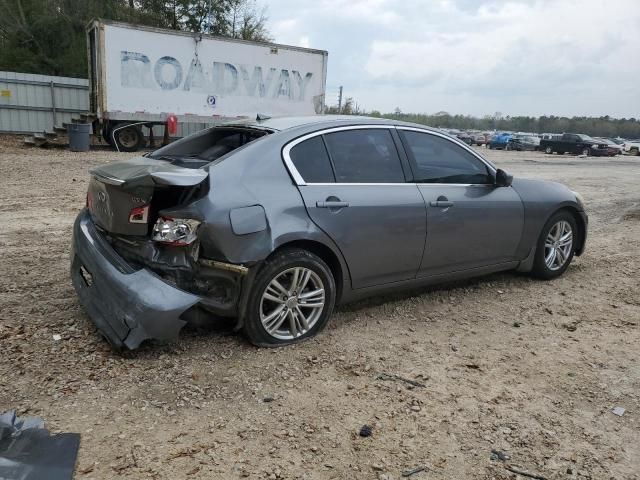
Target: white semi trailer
{"points": [[141, 77]]}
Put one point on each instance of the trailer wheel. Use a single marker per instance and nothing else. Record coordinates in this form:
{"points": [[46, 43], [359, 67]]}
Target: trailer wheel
{"points": [[128, 139]]}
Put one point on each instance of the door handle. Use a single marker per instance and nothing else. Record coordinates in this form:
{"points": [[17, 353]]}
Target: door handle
{"points": [[332, 204], [441, 202]]}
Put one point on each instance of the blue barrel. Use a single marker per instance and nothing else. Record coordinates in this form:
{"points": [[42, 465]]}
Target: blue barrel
{"points": [[79, 136]]}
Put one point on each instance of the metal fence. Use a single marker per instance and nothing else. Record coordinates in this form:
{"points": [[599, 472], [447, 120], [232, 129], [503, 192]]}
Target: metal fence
{"points": [[36, 103], [32, 103]]}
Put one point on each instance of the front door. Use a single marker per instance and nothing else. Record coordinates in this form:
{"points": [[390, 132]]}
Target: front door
{"points": [[471, 223], [360, 198]]}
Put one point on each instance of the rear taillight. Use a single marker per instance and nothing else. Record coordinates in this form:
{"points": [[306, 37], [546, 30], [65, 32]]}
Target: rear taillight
{"points": [[175, 231], [139, 214]]}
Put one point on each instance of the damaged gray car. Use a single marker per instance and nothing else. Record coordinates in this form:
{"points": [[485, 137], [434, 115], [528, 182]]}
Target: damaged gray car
{"points": [[274, 222]]}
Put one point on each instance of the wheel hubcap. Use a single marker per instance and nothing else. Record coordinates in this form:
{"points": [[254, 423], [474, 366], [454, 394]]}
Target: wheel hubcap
{"points": [[558, 245], [292, 303]]}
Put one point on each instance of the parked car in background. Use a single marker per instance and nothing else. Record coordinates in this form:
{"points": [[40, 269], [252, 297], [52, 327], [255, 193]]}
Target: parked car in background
{"points": [[612, 147], [551, 136], [275, 222], [575, 143], [632, 147], [466, 137], [479, 139], [523, 143], [499, 141]]}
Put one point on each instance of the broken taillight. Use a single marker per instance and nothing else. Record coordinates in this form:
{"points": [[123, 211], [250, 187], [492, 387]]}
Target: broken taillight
{"points": [[139, 214], [175, 231]]}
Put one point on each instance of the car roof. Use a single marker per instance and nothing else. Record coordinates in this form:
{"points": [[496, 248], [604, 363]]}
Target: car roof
{"points": [[319, 121]]}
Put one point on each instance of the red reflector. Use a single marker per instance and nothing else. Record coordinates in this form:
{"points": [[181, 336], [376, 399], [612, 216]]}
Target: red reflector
{"points": [[139, 214], [172, 124]]}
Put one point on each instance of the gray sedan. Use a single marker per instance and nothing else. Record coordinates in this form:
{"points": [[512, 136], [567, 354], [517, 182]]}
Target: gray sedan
{"points": [[274, 222]]}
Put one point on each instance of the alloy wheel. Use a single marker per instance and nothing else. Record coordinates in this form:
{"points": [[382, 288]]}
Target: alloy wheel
{"points": [[558, 245], [292, 303]]}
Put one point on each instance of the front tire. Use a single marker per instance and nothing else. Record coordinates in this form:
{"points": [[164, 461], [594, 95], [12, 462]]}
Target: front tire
{"points": [[548, 150], [586, 152], [556, 246], [291, 299]]}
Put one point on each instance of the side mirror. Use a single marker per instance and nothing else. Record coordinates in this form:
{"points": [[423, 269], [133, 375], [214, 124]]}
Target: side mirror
{"points": [[503, 179]]}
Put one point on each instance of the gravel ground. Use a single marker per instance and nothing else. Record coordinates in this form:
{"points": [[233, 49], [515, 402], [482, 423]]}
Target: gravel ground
{"points": [[527, 368]]}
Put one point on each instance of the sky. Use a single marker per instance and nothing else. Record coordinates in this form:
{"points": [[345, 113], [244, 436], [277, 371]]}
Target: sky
{"points": [[475, 57]]}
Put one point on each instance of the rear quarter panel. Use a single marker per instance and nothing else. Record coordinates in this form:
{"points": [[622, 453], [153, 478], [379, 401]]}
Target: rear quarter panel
{"points": [[255, 175]]}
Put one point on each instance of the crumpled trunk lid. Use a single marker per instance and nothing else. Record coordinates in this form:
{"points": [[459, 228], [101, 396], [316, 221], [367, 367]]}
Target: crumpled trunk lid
{"points": [[116, 189]]}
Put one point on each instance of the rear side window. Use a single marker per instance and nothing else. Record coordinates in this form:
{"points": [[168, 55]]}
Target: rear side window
{"points": [[312, 162], [364, 156], [438, 160]]}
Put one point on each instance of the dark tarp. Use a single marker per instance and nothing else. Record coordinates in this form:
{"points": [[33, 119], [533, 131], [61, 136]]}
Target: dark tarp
{"points": [[28, 452]]}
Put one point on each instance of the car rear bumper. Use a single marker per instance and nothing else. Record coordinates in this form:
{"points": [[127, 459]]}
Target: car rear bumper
{"points": [[127, 305]]}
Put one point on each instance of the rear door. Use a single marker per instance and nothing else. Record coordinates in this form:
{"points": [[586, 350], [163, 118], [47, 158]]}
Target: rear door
{"points": [[353, 184], [471, 223]]}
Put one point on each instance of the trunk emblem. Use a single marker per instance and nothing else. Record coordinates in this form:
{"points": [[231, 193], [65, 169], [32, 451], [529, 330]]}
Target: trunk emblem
{"points": [[102, 196]]}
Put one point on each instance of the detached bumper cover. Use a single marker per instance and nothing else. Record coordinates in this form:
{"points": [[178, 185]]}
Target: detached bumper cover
{"points": [[127, 305]]}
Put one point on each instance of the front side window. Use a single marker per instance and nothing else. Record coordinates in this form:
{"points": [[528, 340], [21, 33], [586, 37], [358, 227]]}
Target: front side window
{"points": [[364, 156], [438, 160], [312, 162]]}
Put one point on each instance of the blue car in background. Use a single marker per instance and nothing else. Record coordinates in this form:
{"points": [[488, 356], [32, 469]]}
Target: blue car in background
{"points": [[499, 141]]}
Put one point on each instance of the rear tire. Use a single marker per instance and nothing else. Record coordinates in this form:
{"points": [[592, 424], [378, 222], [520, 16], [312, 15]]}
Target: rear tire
{"points": [[276, 304], [553, 253]]}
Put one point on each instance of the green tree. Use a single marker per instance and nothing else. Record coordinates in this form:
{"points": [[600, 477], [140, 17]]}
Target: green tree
{"points": [[48, 36]]}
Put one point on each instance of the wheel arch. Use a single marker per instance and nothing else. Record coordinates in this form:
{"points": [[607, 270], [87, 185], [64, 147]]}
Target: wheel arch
{"points": [[327, 255], [580, 222]]}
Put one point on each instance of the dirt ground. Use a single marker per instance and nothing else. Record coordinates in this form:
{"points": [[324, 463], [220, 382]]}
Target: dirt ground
{"points": [[528, 368]]}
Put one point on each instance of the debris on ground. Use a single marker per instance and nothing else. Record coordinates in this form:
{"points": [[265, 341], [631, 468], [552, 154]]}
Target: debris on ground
{"points": [[619, 411], [524, 473], [365, 431], [413, 471], [393, 376], [28, 452], [499, 455]]}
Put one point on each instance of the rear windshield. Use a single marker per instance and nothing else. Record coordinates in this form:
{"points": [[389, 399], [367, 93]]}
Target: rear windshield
{"points": [[208, 145]]}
